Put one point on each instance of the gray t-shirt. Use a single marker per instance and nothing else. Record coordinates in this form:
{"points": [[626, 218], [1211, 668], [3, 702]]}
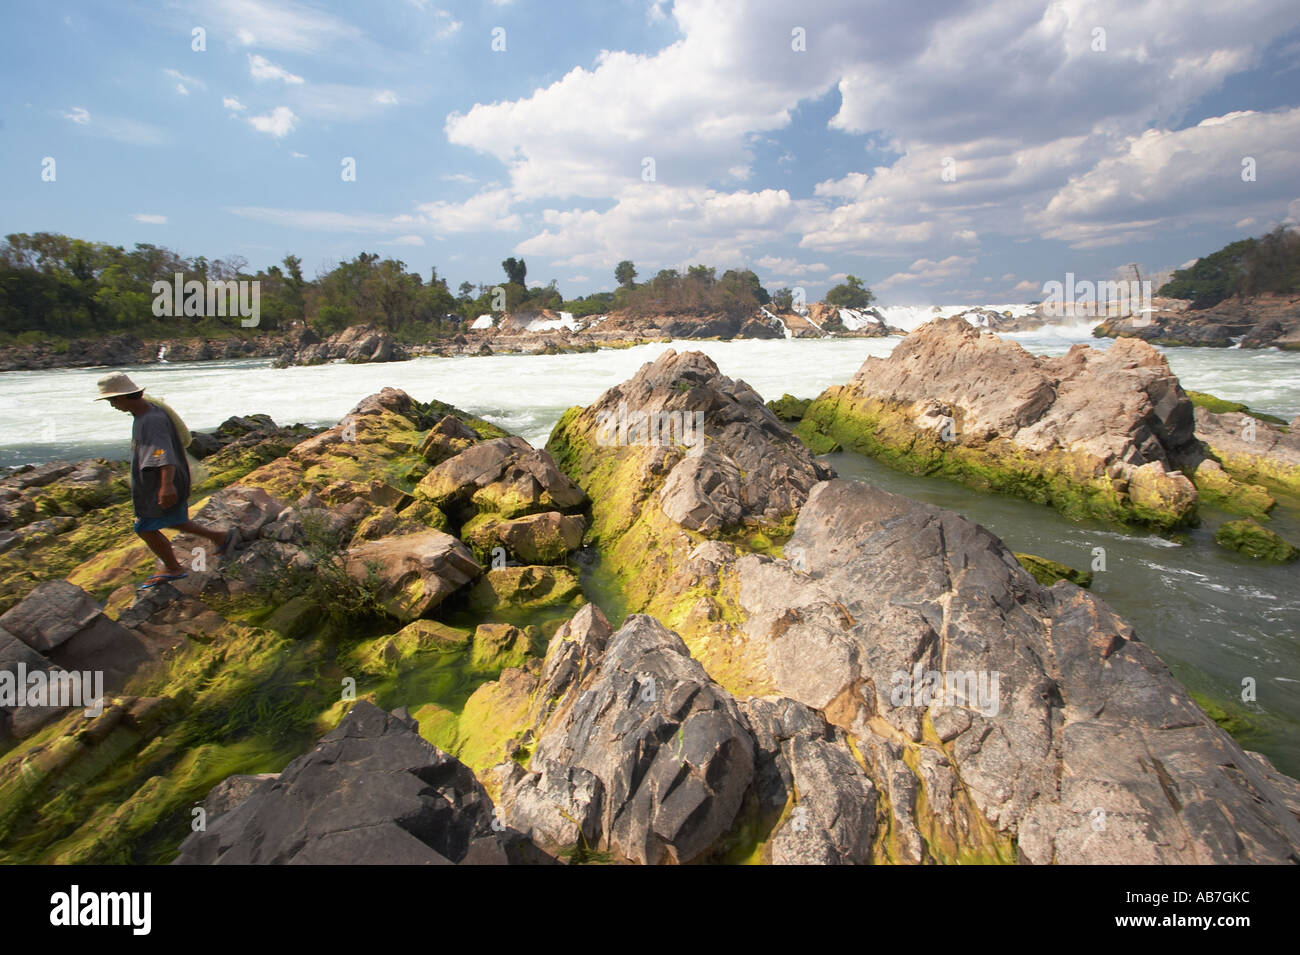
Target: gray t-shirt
{"points": [[154, 443]]}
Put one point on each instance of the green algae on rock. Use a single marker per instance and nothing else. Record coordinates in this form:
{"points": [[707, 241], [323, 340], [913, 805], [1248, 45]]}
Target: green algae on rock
{"points": [[1048, 572], [1248, 537], [1093, 434]]}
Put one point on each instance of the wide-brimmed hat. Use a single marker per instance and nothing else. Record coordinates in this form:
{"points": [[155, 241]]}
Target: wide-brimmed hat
{"points": [[115, 386]]}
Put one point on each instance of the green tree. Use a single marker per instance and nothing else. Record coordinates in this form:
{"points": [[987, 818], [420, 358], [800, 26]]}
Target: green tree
{"points": [[516, 271], [625, 273], [851, 294]]}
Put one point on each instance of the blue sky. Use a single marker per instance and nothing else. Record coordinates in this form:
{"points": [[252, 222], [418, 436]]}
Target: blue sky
{"points": [[946, 151]]}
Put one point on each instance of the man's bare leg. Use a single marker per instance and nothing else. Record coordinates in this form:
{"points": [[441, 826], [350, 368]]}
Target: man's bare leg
{"points": [[217, 537], [162, 548]]}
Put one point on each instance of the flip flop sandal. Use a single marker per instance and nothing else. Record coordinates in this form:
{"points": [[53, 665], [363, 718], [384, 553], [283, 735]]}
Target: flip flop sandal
{"points": [[157, 579]]}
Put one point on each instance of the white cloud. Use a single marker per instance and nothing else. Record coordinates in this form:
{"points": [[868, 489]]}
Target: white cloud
{"points": [[279, 122], [486, 211], [1026, 123], [788, 267], [276, 25], [457, 177], [231, 103], [184, 82], [446, 26], [297, 155], [385, 98], [149, 218], [1163, 178], [929, 272], [263, 69], [662, 224], [118, 127], [407, 240]]}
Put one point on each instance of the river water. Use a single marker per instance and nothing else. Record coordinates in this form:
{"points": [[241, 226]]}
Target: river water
{"points": [[1215, 618]]}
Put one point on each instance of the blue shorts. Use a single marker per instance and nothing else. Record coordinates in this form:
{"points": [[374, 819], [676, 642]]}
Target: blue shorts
{"points": [[177, 515]]}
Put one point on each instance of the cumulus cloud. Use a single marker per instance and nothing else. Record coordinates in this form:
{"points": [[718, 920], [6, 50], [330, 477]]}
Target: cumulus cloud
{"points": [[278, 123], [1033, 127], [260, 68], [664, 224], [486, 211], [150, 218], [1163, 177], [929, 272]]}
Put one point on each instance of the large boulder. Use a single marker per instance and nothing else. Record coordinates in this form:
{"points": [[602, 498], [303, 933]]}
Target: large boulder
{"points": [[504, 476], [1026, 716], [1250, 449], [372, 792], [62, 622], [414, 573], [1093, 433], [678, 453], [652, 760], [533, 539], [355, 344]]}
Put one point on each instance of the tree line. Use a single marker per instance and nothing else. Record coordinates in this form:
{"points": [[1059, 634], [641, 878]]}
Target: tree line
{"points": [[1269, 263], [55, 286]]}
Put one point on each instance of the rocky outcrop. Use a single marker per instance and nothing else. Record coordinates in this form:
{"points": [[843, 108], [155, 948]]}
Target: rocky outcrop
{"points": [[1251, 450], [675, 455], [847, 322], [371, 792], [640, 754], [1005, 709], [1264, 321], [1100, 434], [117, 351], [652, 760], [59, 633], [355, 344]]}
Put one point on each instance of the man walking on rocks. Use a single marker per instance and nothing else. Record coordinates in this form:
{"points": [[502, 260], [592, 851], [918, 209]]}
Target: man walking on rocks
{"points": [[160, 476]]}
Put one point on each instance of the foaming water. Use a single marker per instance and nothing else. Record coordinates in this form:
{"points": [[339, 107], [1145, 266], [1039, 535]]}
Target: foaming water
{"points": [[53, 414]]}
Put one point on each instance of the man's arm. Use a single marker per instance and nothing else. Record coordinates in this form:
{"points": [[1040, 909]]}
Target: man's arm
{"points": [[167, 488]]}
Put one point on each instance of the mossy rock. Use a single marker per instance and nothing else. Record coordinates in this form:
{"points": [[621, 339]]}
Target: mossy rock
{"points": [[511, 591], [388, 653], [1048, 572], [789, 408], [499, 645], [496, 713], [1215, 486], [1218, 405], [1059, 478], [1248, 537], [545, 538]]}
